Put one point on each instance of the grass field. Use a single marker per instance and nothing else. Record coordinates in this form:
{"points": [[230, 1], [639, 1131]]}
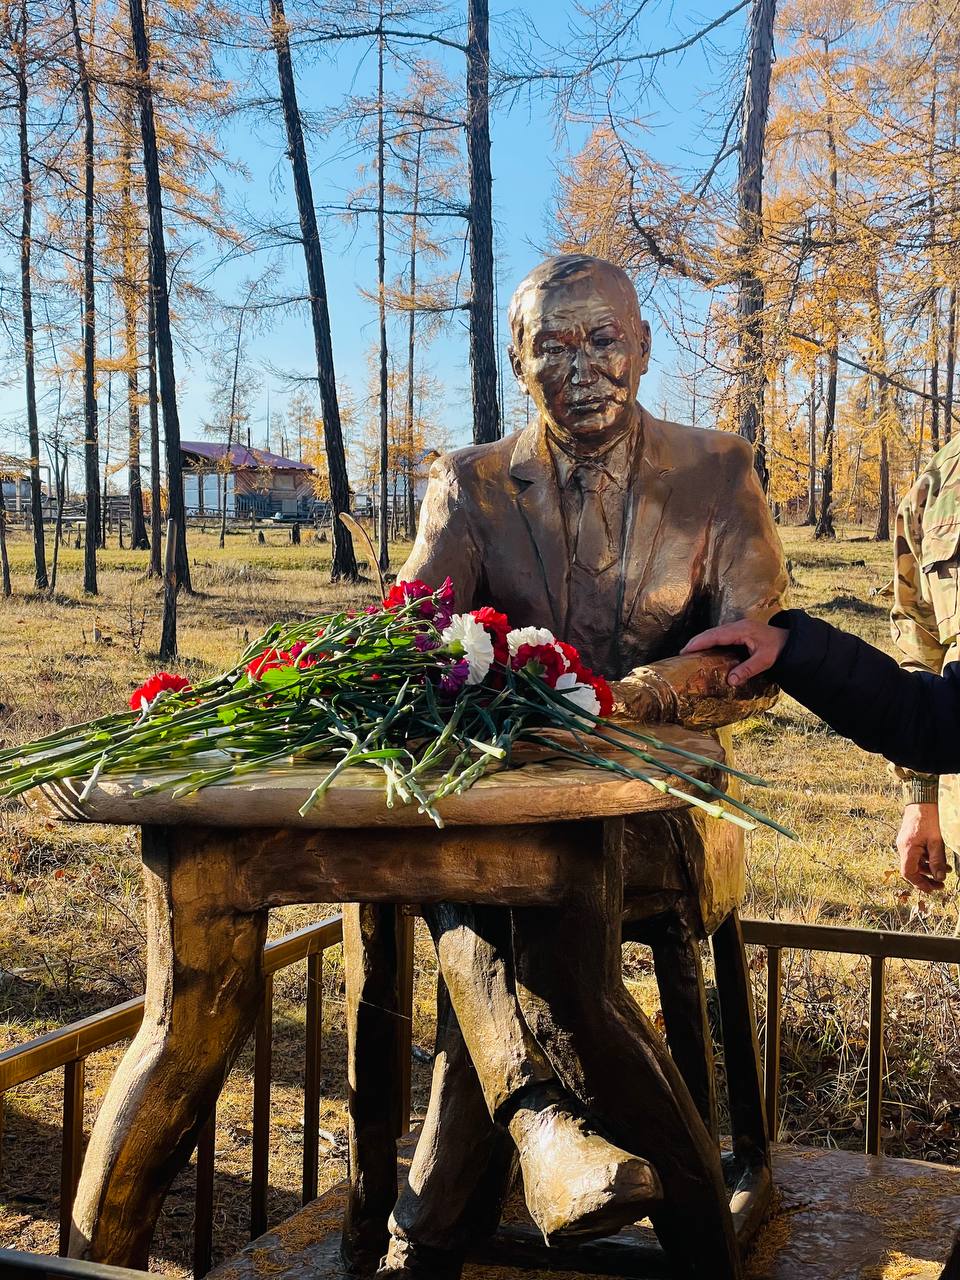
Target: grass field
{"points": [[71, 939]]}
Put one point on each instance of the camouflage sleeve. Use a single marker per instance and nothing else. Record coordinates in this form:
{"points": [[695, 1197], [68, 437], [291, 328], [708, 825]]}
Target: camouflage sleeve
{"points": [[913, 620]]}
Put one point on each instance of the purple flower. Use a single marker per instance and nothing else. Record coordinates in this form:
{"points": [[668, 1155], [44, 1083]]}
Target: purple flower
{"points": [[424, 643], [455, 676]]}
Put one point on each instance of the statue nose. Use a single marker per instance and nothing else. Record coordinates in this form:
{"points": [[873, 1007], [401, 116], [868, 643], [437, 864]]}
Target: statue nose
{"points": [[582, 370]]}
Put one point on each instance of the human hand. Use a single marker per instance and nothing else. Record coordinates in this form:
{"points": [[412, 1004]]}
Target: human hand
{"points": [[923, 856], [763, 642]]}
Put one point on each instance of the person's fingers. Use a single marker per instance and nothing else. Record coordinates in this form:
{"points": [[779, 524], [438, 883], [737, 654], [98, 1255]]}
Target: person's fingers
{"points": [[910, 863], [717, 637], [922, 866], [760, 660], [936, 862]]}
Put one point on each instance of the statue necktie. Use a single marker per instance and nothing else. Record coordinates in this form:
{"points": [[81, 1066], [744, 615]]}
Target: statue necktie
{"points": [[593, 545]]}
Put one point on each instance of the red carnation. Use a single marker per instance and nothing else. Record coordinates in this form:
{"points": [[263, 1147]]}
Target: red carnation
{"points": [[574, 662], [162, 682], [266, 661], [402, 593], [604, 694], [497, 625], [546, 656]]}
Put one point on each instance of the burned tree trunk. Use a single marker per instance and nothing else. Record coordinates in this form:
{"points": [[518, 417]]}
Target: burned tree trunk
{"points": [[344, 559], [483, 354], [756, 102], [159, 292]]}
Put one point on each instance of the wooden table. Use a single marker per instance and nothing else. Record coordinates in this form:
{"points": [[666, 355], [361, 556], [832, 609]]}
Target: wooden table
{"points": [[216, 861]]}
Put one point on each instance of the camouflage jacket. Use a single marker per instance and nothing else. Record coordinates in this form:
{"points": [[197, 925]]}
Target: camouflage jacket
{"points": [[925, 619]]}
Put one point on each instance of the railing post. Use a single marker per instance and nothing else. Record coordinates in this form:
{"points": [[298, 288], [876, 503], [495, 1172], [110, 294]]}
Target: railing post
{"points": [[771, 1043], [71, 1150], [262, 1060], [311, 1075], [875, 1054], [203, 1214]]}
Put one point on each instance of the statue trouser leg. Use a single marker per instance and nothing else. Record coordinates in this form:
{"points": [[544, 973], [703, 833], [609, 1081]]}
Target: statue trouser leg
{"points": [[570, 989], [576, 1182], [461, 1170]]}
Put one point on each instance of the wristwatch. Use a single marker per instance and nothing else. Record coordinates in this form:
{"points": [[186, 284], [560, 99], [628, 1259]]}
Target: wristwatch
{"points": [[923, 790]]}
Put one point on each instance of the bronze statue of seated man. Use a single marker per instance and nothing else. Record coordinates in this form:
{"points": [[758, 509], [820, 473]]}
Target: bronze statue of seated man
{"points": [[626, 535]]}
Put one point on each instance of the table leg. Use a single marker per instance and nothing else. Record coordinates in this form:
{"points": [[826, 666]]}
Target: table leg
{"points": [[204, 983], [377, 1028], [570, 987]]}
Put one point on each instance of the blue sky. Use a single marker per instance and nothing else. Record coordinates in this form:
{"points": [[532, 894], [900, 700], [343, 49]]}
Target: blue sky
{"points": [[526, 155]]}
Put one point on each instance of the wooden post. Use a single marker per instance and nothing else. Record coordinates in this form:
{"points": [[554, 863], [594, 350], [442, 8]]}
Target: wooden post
{"points": [[168, 635]]}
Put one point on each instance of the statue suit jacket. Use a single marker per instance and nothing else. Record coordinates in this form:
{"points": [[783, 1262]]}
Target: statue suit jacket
{"points": [[700, 547]]}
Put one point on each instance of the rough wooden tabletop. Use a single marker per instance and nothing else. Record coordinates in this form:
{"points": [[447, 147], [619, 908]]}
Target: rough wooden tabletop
{"points": [[545, 788]]}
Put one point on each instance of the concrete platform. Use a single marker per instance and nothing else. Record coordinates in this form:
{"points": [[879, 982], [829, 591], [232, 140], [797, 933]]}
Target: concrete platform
{"points": [[838, 1216]]}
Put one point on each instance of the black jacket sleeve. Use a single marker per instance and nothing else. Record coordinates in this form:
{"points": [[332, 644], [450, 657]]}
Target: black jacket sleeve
{"points": [[911, 717]]}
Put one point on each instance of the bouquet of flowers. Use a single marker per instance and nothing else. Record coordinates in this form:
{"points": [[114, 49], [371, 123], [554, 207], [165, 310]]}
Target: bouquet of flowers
{"points": [[430, 697]]}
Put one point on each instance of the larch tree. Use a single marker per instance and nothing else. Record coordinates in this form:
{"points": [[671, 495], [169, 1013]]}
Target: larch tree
{"points": [[344, 559]]}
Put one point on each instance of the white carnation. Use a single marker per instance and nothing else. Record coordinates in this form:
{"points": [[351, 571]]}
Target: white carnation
{"points": [[582, 696], [475, 642], [528, 635]]}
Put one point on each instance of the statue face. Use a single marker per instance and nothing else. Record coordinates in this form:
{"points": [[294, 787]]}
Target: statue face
{"points": [[584, 349]]}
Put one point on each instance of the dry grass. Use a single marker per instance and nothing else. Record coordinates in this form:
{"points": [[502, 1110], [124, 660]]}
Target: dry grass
{"points": [[72, 940]]}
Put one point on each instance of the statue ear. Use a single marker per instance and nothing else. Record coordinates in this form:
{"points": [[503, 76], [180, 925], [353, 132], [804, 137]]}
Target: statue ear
{"points": [[517, 367], [645, 344]]}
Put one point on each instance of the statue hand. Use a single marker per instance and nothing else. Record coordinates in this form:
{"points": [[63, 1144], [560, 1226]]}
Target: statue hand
{"points": [[644, 697]]}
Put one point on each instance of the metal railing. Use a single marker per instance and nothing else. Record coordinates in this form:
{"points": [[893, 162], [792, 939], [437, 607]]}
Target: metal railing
{"points": [[875, 944], [69, 1047]]}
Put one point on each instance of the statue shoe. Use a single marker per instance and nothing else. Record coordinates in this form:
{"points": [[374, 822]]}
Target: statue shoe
{"points": [[577, 1185], [406, 1260]]}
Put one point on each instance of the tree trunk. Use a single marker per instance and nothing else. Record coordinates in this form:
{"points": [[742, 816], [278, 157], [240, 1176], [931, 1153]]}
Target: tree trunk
{"points": [[156, 489], [138, 528], [159, 290], [882, 533], [230, 426], [412, 339], [344, 559], [382, 533], [825, 527], [4, 559], [935, 370], [811, 518], [756, 102], [932, 250], [91, 429], [951, 364], [105, 522], [60, 469], [483, 355], [26, 293]]}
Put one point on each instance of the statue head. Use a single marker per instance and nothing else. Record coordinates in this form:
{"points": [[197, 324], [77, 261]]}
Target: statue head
{"points": [[579, 347]]}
